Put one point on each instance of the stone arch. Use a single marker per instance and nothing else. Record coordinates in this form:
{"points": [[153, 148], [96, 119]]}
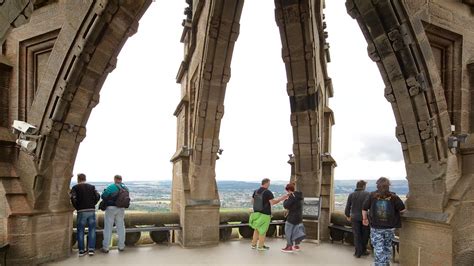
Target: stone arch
{"points": [[88, 37], [413, 88], [399, 37]]}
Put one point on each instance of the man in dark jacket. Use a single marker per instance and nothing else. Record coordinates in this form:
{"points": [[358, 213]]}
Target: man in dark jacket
{"points": [[84, 197], [294, 229], [353, 213], [382, 210]]}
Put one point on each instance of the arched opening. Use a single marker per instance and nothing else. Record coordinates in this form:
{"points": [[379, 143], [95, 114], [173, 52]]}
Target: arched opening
{"points": [[255, 132], [364, 136], [132, 131], [400, 40]]}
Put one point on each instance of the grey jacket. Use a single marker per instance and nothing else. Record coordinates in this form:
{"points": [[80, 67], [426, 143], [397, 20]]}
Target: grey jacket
{"points": [[354, 204]]}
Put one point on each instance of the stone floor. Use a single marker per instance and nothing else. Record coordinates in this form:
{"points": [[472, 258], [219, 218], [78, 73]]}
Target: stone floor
{"points": [[234, 252]]}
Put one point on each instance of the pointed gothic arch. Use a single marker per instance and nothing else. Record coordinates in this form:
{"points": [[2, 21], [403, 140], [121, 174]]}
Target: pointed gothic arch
{"points": [[422, 50]]}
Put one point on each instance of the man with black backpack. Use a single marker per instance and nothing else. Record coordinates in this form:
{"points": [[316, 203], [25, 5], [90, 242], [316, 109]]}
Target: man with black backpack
{"points": [[116, 197], [382, 209], [259, 220], [84, 197]]}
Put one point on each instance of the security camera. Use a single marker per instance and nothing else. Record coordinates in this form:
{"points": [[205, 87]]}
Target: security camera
{"points": [[24, 127], [26, 145], [27, 136]]}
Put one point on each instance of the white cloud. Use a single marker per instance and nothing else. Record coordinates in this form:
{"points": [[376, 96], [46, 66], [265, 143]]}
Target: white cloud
{"points": [[381, 148]]}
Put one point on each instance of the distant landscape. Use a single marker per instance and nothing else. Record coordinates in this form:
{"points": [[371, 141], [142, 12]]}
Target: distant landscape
{"points": [[154, 196]]}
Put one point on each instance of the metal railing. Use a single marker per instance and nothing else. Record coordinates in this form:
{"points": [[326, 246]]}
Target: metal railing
{"points": [[162, 226]]}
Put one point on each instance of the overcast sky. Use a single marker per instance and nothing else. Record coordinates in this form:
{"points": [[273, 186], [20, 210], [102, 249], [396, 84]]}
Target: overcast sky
{"points": [[132, 131]]}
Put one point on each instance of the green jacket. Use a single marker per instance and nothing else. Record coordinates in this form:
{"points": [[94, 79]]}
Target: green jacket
{"points": [[110, 193]]}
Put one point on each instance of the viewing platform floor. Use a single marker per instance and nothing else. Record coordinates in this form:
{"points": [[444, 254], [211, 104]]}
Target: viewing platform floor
{"points": [[232, 252]]}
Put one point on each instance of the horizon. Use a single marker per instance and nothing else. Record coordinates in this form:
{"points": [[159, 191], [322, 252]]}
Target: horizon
{"points": [[233, 180]]}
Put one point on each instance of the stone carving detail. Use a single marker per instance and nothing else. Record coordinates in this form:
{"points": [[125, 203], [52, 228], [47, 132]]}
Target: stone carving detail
{"points": [[400, 134], [389, 94], [399, 37], [414, 87], [372, 51], [188, 11], [86, 52], [291, 14], [428, 129], [214, 27]]}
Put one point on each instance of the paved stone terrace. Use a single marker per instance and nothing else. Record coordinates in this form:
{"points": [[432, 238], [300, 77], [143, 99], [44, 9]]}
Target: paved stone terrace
{"points": [[234, 252]]}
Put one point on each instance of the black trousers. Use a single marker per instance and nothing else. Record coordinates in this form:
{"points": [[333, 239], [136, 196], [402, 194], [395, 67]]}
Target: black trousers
{"points": [[361, 237]]}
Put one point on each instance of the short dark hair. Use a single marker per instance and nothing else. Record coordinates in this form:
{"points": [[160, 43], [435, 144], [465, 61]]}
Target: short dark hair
{"points": [[119, 177], [81, 177], [265, 181], [361, 184]]}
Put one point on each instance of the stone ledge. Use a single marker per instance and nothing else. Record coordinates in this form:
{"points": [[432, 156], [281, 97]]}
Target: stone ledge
{"points": [[433, 217]]}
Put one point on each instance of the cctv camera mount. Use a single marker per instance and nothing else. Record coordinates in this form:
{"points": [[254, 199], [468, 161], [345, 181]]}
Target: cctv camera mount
{"points": [[27, 135], [24, 127]]}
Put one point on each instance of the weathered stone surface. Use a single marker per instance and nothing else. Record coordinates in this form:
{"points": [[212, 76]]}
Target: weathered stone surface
{"points": [[422, 66], [195, 196], [53, 68], [418, 240]]}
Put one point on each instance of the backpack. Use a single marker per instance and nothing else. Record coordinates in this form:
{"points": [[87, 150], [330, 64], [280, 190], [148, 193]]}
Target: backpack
{"points": [[123, 198], [258, 201], [382, 211]]}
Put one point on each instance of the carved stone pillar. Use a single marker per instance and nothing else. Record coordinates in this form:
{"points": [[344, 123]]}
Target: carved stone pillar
{"points": [[209, 36]]}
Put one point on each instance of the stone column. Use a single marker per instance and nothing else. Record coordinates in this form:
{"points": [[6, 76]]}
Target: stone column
{"points": [[303, 52], [327, 196], [210, 31]]}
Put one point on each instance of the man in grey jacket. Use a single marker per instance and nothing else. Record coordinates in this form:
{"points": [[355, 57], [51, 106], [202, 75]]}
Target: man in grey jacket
{"points": [[353, 213]]}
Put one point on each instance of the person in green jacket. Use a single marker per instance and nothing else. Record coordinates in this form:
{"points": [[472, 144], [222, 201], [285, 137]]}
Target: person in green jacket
{"points": [[113, 214]]}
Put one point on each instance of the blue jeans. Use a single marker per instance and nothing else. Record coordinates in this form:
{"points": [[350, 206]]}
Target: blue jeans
{"points": [[83, 218], [117, 215], [382, 242]]}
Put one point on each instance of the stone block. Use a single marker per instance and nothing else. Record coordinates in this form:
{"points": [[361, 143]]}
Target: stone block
{"points": [[200, 226], [18, 203], [39, 223], [34, 248], [311, 229], [425, 242], [324, 220], [326, 190]]}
